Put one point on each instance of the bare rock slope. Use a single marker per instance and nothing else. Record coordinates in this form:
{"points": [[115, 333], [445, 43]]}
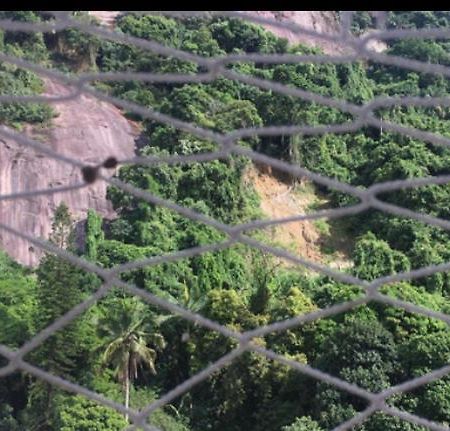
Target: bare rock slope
{"points": [[86, 129], [325, 22]]}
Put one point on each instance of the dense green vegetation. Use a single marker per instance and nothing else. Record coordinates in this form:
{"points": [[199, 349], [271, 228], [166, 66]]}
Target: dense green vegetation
{"points": [[19, 82], [133, 352]]}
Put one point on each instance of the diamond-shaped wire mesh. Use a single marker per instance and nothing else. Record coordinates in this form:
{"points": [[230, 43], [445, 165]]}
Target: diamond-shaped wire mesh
{"points": [[363, 115]]}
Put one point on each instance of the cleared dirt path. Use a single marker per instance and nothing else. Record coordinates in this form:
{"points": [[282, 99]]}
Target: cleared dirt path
{"points": [[278, 200], [303, 238]]}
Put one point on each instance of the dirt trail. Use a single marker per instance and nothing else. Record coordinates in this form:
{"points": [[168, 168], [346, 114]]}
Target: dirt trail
{"points": [[302, 238], [86, 129], [278, 201]]}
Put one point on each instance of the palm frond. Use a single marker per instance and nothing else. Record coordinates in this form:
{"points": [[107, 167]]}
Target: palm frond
{"points": [[158, 341], [112, 349]]}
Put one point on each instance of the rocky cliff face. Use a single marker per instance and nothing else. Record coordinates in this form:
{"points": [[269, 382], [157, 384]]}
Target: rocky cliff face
{"points": [[325, 22], [85, 129]]}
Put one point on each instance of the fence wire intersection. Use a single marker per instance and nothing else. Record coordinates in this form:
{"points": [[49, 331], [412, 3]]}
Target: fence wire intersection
{"points": [[227, 146]]}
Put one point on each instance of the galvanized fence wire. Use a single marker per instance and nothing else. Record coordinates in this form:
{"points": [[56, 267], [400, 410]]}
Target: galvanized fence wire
{"points": [[357, 48]]}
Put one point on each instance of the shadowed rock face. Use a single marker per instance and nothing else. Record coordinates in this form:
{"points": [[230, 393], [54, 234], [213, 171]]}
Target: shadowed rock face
{"points": [[85, 129]]}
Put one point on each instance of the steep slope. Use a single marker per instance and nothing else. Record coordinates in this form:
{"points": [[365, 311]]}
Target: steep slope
{"points": [[91, 131], [318, 241], [278, 200], [325, 22], [85, 129]]}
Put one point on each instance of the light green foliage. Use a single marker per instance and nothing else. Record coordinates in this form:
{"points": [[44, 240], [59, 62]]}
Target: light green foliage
{"points": [[422, 50], [234, 34], [76, 413], [7, 420], [94, 234], [425, 352], [61, 226], [20, 82], [289, 303], [17, 302], [361, 159], [362, 20], [157, 28], [418, 19], [382, 421], [304, 423], [403, 324], [374, 258], [29, 45]]}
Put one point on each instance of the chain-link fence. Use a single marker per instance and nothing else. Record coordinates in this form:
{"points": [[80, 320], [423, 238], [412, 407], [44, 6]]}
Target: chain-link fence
{"points": [[227, 146]]}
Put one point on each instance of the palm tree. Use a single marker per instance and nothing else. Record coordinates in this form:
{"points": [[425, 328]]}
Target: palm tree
{"points": [[190, 298], [127, 343]]}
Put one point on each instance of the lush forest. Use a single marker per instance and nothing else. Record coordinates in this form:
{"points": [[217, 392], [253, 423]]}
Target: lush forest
{"points": [[132, 352]]}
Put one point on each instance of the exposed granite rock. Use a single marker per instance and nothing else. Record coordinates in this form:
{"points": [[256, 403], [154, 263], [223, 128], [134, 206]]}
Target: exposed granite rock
{"points": [[86, 129], [320, 21]]}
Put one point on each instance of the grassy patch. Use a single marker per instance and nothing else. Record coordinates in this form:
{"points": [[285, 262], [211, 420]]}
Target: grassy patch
{"points": [[322, 226]]}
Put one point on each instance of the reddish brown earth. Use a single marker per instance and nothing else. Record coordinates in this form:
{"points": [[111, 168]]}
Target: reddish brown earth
{"points": [[86, 129], [278, 200]]}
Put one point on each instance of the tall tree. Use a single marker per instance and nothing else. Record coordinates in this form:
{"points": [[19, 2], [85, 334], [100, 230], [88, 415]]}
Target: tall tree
{"points": [[127, 341], [61, 226], [60, 287]]}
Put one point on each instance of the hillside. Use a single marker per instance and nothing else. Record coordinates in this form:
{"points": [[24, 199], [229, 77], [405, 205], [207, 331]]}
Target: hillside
{"points": [[320, 21], [104, 132], [218, 332]]}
